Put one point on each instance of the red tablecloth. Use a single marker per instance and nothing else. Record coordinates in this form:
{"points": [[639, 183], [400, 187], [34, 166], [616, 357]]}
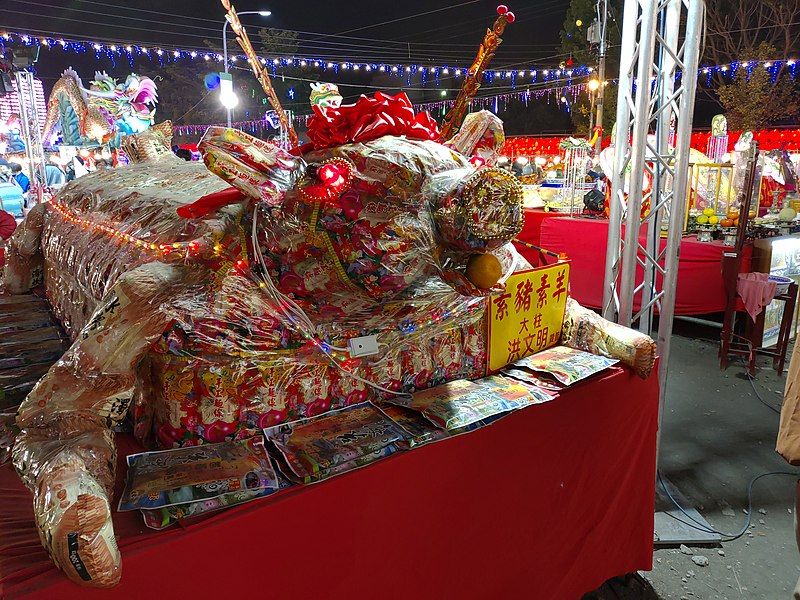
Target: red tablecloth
{"points": [[534, 217], [547, 503], [700, 286]]}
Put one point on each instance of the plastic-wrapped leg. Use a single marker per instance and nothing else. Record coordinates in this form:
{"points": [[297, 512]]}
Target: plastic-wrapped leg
{"points": [[65, 451]]}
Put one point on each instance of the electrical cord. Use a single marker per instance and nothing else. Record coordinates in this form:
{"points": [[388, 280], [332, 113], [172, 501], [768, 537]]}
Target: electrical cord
{"points": [[760, 399], [695, 524], [755, 390]]}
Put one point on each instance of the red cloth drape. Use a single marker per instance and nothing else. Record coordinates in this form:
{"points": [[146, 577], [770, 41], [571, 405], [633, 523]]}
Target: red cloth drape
{"points": [[547, 503], [701, 289], [8, 224], [368, 119], [531, 229]]}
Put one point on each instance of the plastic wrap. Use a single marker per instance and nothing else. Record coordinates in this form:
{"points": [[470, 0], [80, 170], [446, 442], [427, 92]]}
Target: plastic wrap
{"points": [[152, 144], [214, 313], [586, 330]]}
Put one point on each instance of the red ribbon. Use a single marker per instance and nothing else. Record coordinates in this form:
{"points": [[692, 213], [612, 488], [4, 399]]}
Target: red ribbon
{"points": [[369, 119], [210, 203]]}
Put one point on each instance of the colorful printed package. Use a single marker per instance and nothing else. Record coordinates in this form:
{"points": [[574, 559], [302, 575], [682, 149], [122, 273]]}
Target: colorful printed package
{"points": [[543, 381], [169, 477], [566, 364], [338, 441], [422, 431], [169, 515], [459, 403]]}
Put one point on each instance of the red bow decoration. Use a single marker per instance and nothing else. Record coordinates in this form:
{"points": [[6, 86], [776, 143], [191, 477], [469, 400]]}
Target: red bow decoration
{"points": [[369, 119]]}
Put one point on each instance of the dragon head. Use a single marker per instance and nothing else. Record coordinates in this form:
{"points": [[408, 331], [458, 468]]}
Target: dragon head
{"points": [[142, 95]]}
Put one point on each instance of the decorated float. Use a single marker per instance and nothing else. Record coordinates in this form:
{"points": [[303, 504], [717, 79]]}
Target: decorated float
{"points": [[284, 294]]}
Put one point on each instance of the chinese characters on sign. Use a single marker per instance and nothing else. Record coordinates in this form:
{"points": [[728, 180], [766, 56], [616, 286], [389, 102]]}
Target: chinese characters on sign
{"points": [[526, 318]]}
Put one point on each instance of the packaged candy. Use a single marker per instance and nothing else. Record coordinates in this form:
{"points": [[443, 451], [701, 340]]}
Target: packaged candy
{"points": [[168, 477], [459, 403], [567, 365], [335, 442]]}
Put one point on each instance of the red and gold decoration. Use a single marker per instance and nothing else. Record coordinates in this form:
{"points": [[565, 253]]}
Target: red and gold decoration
{"points": [[332, 178], [368, 119], [259, 70], [469, 88]]}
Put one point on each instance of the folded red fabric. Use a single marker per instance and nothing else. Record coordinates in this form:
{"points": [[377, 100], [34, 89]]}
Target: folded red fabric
{"points": [[369, 119]]}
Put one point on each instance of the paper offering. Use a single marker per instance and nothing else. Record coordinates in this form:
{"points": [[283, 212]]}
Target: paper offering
{"points": [[460, 403], [567, 365], [168, 477], [160, 518], [335, 442]]}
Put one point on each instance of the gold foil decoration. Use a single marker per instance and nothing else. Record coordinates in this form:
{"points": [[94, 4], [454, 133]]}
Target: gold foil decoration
{"points": [[259, 70], [491, 41], [491, 205]]}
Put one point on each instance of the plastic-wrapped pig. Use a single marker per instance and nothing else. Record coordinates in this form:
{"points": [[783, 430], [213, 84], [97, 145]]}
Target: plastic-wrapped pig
{"points": [[356, 267]]}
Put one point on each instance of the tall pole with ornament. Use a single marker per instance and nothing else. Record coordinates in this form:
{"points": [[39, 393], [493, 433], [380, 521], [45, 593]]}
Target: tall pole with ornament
{"points": [[259, 70], [491, 41]]}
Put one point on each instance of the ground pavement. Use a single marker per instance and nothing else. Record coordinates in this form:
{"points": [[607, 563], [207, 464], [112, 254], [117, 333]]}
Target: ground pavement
{"points": [[716, 436]]}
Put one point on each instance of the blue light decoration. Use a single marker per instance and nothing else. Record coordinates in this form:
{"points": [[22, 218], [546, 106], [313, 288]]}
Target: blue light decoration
{"points": [[290, 93], [211, 81], [162, 55]]}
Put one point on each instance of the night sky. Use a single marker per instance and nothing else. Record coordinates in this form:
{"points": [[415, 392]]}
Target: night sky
{"points": [[377, 30]]}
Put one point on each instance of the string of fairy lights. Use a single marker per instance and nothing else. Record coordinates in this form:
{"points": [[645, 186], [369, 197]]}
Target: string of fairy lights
{"points": [[163, 55], [425, 73]]}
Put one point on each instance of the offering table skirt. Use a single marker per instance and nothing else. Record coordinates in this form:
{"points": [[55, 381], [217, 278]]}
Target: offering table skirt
{"points": [[546, 503]]}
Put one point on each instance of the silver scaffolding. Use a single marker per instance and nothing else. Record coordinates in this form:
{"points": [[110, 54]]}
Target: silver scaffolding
{"points": [[31, 132], [661, 42]]}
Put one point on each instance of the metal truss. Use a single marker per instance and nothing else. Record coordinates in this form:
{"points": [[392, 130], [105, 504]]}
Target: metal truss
{"points": [[658, 78], [31, 131]]}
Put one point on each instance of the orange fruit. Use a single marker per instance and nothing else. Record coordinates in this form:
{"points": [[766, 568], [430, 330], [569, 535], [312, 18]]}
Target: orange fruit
{"points": [[736, 222], [726, 222], [733, 213], [483, 270]]}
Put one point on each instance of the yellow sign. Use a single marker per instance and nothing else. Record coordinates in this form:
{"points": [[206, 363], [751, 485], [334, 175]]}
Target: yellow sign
{"points": [[528, 315]]}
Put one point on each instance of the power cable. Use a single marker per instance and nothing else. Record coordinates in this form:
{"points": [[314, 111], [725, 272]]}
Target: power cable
{"points": [[406, 18], [105, 14], [695, 524], [317, 33], [206, 49]]}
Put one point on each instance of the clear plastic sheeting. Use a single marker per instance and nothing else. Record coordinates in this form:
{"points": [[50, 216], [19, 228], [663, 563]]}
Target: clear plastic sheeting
{"points": [[240, 316], [585, 330]]}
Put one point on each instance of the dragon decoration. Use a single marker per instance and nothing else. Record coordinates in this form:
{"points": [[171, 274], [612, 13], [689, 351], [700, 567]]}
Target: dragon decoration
{"points": [[102, 113]]}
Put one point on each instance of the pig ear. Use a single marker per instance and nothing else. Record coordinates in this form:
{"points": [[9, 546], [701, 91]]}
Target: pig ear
{"points": [[261, 170]]}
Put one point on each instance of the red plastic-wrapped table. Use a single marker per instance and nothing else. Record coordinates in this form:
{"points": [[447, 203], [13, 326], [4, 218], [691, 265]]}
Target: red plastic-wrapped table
{"points": [[547, 503], [701, 289]]}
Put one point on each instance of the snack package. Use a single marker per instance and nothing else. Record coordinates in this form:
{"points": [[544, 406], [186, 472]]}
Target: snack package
{"points": [[542, 381], [162, 518], [567, 365], [155, 143], [169, 477], [335, 442], [459, 403], [586, 330], [422, 431]]}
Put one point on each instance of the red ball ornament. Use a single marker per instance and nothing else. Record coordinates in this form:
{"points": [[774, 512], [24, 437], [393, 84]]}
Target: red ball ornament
{"points": [[511, 17], [570, 62], [329, 174], [502, 9]]}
